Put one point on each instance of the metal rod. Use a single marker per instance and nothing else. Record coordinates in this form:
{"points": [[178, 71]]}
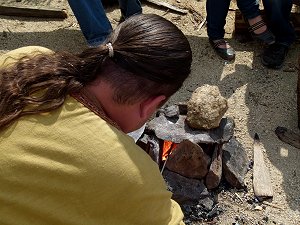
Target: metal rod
{"points": [[163, 167]]}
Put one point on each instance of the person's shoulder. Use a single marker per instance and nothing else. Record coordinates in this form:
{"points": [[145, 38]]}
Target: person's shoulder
{"points": [[29, 49], [16, 54]]}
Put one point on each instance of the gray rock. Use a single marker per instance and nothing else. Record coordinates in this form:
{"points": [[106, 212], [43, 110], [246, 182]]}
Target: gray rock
{"points": [[165, 129], [207, 203], [150, 143], [185, 190], [235, 163]]}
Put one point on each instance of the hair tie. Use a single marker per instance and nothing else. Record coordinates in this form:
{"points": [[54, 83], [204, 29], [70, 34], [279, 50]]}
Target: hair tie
{"points": [[110, 50]]}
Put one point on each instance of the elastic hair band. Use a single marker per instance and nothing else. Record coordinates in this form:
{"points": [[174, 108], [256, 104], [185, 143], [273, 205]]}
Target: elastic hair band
{"points": [[110, 50]]}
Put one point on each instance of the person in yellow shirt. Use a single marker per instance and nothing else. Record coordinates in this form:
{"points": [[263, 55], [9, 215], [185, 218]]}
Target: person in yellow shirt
{"points": [[65, 157]]}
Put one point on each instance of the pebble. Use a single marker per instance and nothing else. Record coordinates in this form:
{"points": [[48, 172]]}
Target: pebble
{"points": [[266, 218], [258, 208]]}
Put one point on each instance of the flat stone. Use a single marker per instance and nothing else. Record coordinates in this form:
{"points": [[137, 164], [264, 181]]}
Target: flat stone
{"points": [[185, 190], [166, 129], [235, 163]]}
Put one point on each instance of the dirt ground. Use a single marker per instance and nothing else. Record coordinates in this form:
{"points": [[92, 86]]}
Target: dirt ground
{"points": [[259, 99]]}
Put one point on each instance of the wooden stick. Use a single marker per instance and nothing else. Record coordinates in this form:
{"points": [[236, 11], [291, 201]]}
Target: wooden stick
{"points": [[272, 205], [166, 5], [164, 165], [202, 24], [32, 11], [298, 93], [214, 174], [237, 195], [261, 178]]}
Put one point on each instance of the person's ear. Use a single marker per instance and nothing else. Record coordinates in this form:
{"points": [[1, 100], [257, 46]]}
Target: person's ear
{"points": [[150, 105]]}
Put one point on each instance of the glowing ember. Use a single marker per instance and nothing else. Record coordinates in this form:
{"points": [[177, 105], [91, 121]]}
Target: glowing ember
{"points": [[168, 147]]}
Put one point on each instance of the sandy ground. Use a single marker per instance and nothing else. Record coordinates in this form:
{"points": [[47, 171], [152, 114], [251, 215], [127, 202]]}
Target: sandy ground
{"points": [[259, 99]]}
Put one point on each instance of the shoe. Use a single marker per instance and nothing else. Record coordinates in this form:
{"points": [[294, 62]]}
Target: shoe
{"points": [[267, 36], [224, 53], [274, 55]]}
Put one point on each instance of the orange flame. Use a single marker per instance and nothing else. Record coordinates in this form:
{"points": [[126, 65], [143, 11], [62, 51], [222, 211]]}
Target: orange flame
{"points": [[168, 147]]}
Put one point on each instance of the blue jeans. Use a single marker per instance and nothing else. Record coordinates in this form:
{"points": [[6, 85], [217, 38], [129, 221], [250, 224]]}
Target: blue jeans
{"points": [[278, 17], [93, 21], [217, 11]]}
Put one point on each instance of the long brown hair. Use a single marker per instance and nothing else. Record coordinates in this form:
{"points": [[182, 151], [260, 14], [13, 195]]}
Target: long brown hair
{"points": [[151, 56]]}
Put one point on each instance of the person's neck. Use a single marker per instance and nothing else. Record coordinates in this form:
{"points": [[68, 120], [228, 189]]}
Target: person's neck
{"points": [[119, 113]]}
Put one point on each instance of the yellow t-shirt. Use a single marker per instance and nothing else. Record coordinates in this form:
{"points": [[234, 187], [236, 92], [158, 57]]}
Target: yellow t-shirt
{"points": [[71, 167]]}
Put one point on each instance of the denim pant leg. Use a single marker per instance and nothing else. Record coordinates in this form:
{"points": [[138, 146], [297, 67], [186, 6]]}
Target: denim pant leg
{"points": [[216, 18], [92, 20], [130, 7], [278, 16], [249, 8]]}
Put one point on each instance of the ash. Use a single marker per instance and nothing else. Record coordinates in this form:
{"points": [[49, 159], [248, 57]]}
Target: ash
{"points": [[199, 213]]}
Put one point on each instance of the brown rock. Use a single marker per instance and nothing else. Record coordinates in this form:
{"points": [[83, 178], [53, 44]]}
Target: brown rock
{"points": [[188, 160], [214, 174]]}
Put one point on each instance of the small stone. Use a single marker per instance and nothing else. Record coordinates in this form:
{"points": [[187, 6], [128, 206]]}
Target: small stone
{"points": [[256, 200], [266, 218], [213, 212], [4, 34], [250, 201], [258, 208], [207, 203]]}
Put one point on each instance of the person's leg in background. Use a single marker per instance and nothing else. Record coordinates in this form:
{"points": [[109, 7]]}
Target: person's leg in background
{"points": [[216, 19], [92, 20], [130, 7], [278, 16], [257, 27]]}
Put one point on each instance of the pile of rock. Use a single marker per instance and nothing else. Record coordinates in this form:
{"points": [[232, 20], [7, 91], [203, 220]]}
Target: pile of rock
{"points": [[206, 150]]}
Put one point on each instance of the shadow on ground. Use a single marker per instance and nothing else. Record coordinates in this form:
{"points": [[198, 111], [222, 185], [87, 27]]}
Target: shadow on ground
{"points": [[59, 40]]}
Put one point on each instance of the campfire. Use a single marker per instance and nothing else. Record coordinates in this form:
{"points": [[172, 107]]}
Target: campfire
{"points": [[193, 161], [168, 147]]}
